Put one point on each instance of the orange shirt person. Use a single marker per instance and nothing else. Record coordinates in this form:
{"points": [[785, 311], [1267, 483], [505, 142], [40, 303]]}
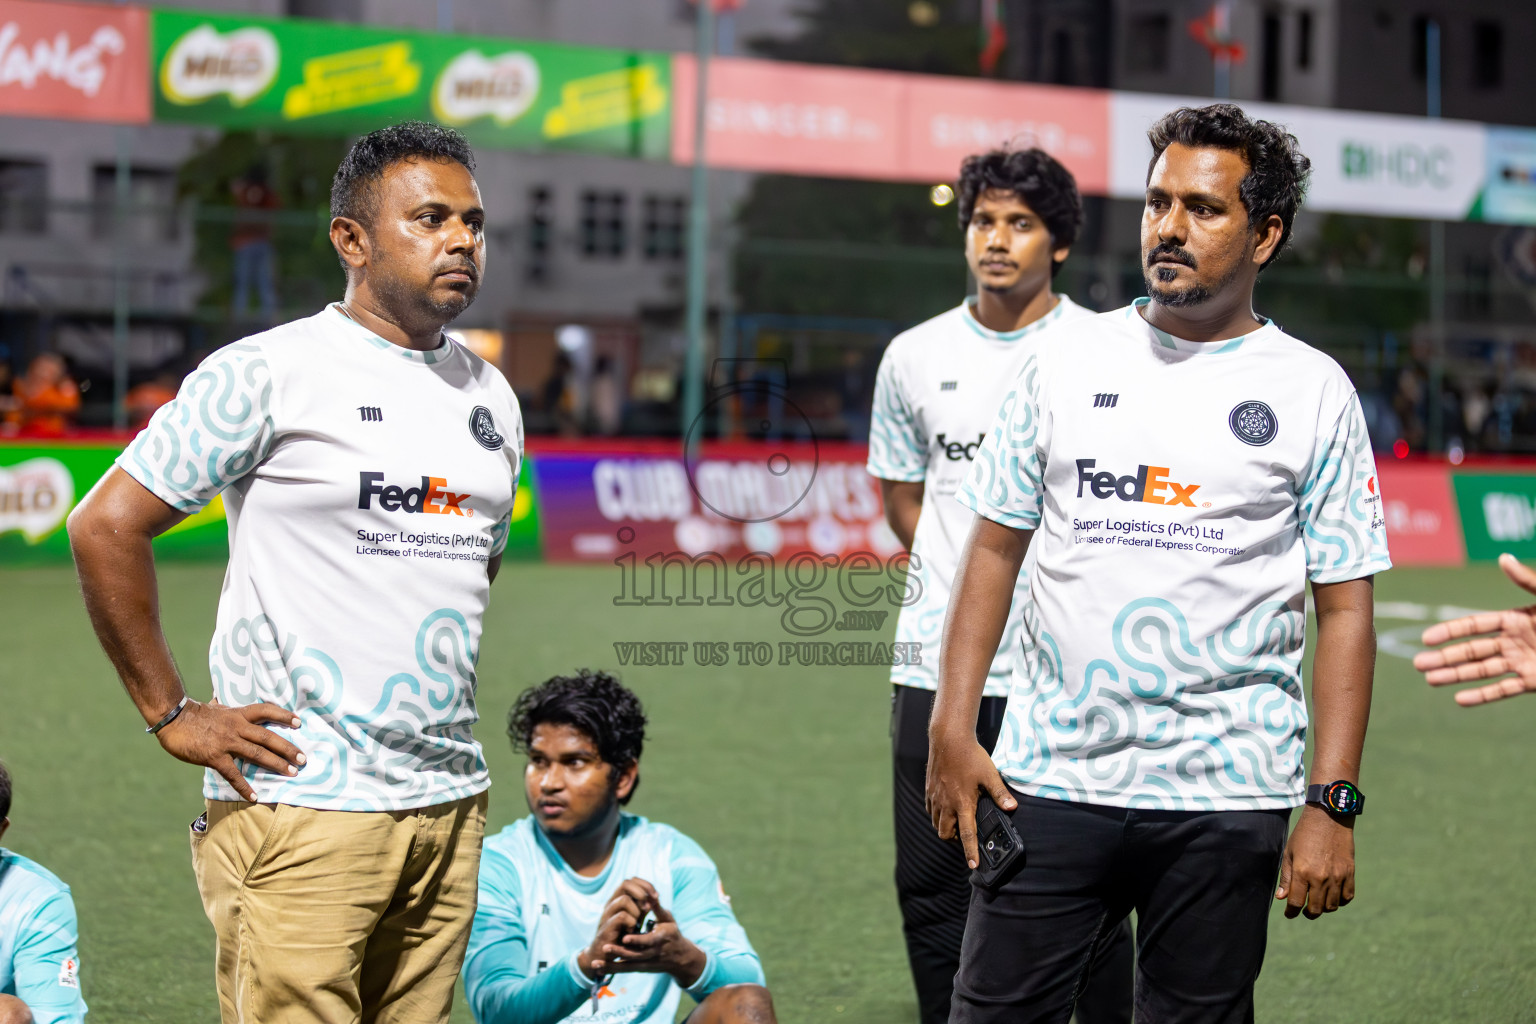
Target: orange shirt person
{"points": [[46, 398]]}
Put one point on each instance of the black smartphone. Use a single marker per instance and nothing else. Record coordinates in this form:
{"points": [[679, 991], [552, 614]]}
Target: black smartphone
{"points": [[998, 844]]}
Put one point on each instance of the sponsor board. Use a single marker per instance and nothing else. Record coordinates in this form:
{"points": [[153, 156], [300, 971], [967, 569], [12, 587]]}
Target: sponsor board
{"points": [[1510, 197], [81, 62], [1423, 527], [597, 506], [316, 76], [1498, 514]]}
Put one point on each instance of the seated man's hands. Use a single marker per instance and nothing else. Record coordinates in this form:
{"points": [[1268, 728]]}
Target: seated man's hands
{"points": [[619, 947]]}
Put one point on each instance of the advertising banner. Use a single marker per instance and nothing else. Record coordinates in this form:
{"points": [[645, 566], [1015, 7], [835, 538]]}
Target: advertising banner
{"points": [[40, 484], [1510, 197], [1498, 514], [883, 125], [948, 119], [1380, 164], [79, 62], [317, 76], [781, 500], [1422, 525]]}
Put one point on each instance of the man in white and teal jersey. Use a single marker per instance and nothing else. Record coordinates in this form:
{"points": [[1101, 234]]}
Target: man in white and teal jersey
{"points": [[39, 955], [588, 913], [367, 464], [936, 397], [1182, 469]]}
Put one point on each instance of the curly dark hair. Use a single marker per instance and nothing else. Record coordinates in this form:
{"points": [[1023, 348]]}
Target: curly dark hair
{"points": [[1276, 181], [1035, 177], [352, 189], [595, 704], [5, 792]]}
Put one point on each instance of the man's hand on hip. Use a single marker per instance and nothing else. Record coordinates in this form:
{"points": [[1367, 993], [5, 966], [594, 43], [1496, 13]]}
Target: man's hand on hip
{"points": [[957, 771], [214, 736], [1317, 872]]}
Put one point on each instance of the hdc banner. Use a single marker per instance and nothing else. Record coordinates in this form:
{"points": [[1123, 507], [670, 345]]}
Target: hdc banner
{"points": [[79, 62], [316, 76]]}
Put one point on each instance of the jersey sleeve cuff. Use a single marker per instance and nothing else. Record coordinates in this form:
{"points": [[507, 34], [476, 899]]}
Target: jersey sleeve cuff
{"points": [[1014, 520], [1345, 573], [580, 984], [895, 473], [146, 479], [706, 984]]}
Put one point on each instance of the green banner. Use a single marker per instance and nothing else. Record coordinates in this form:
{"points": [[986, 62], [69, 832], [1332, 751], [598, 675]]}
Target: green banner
{"points": [[1498, 514], [41, 483], [318, 76]]}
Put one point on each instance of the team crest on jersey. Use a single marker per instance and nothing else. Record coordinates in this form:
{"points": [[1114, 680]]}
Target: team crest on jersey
{"points": [[69, 973], [1253, 423], [483, 426]]}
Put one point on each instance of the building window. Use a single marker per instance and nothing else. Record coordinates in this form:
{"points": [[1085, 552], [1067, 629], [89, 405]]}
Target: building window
{"points": [[1420, 47], [603, 234], [23, 196], [541, 229], [1146, 44], [1269, 56], [150, 216], [1487, 55], [1304, 40], [665, 223]]}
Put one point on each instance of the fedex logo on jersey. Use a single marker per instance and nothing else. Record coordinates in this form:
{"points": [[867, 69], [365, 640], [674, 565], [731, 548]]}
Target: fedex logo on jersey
{"points": [[954, 451], [431, 497], [1150, 484]]}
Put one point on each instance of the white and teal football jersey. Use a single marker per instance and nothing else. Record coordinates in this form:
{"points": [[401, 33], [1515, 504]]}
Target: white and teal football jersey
{"points": [[366, 486], [39, 954], [536, 915], [1181, 495], [936, 397]]}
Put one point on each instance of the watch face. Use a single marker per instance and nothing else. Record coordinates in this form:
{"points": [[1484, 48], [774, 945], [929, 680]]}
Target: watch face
{"points": [[1342, 798]]}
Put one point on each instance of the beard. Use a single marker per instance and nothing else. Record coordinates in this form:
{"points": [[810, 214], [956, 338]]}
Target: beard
{"points": [[415, 306], [1195, 294]]}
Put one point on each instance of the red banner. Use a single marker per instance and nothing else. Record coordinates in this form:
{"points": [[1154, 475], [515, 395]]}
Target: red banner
{"points": [[1423, 527], [80, 62], [881, 125]]}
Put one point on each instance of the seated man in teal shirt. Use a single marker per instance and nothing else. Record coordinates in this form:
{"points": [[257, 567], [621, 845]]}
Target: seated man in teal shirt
{"points": [[588, 913], [39, 961]]}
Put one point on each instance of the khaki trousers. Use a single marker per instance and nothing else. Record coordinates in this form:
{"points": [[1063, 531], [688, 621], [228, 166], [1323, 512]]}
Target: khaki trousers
{"points": [[339, 917]]}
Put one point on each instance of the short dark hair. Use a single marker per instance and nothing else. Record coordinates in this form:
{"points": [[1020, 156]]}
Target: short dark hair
{"points": [[1034, 176], [5, 792], [365, 163], [1276, 181], [594, 704]]}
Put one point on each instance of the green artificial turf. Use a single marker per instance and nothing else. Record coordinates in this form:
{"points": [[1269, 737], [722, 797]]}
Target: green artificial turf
{"points": [[782, 774]]}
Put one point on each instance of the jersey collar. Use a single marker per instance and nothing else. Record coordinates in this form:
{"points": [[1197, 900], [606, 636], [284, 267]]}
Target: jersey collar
{"points": [[1209, 348], [355, 329], [580, 883], [969, 316]]}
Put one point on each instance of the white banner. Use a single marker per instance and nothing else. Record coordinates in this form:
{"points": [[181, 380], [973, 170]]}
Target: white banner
{"points": [[1378, 164]]}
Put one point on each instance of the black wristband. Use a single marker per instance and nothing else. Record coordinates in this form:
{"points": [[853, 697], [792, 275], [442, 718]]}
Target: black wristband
{"points": [[170, 716]]}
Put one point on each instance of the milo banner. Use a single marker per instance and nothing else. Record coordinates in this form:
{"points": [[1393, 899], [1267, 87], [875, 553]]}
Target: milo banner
{"points": [[41, 483], [318, 76]]}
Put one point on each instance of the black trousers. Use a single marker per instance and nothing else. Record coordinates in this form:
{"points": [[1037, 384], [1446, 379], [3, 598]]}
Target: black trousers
{"points": [[1201, 883], [933, 884]]}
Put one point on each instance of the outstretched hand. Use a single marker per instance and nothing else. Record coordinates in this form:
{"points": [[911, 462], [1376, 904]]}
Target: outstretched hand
{"points": [[1511, 647], [214, 736]]}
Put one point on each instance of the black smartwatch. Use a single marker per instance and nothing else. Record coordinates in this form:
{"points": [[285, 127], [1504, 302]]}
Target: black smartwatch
{"points": [[1339, 797]]}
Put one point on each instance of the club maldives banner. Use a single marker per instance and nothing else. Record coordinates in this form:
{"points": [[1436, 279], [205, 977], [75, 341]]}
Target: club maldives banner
{"points": [[40, 482], [598, 504], [79, 62], [316, 76]]}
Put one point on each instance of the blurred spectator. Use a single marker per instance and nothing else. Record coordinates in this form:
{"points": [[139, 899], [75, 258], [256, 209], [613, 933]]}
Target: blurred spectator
{"points": [[856, 394], [46, 398], [558, 398], [8, 403], [251, 240], [607, 403], [143, 399], [1408, 403]]}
